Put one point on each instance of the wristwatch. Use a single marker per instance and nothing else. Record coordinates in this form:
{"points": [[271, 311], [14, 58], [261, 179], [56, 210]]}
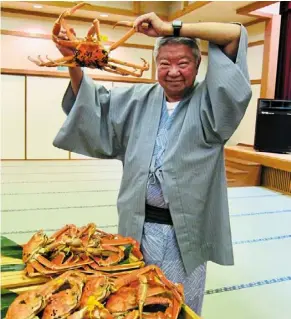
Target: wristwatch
{"points": [[177, 25]]}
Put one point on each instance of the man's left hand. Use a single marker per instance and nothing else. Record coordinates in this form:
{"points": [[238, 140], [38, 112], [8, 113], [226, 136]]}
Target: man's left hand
{"points": [[151, 25]]}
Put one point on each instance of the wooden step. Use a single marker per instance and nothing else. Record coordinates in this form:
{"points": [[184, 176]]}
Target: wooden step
{"points": [[231, 182], [246, 176], [234, 171], [240, 161]]}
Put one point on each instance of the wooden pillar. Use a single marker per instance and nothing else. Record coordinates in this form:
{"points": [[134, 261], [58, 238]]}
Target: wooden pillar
{"points": [[272, 36]]}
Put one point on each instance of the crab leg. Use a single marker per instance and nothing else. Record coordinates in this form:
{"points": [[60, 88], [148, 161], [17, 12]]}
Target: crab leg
{"points": [[40, 263], [86, 233], [142, 293], [122, 40], [70, 227], [52, 63], [61, 22], [145, 67], [158, 301], [118, 267], [114, 259], [113, 69], [117, 70], [53, 266], [69, 31], [95, 29], [71, 44], [58, 260], [120, 282], [61, 60], [40, 62], [69, 65], [145, 25], [174, 309], [40, 270]]}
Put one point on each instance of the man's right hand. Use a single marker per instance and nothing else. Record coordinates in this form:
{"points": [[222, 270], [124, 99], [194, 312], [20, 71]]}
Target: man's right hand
{"points": [[65, 51], [75, 73]]}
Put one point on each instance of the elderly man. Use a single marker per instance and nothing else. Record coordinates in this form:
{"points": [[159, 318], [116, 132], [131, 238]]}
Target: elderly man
{"points": [[170, 138]]}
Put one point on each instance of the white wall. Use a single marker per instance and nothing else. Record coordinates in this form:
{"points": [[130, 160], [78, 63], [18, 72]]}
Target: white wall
{"points": [[12, 117], [44, 116], [245, 132]]}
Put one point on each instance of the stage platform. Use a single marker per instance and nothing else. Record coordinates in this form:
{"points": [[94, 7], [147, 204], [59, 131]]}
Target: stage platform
{"points": [[276, 168]]}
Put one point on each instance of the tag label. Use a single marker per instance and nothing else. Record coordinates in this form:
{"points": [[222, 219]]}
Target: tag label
{"points": [[103, 37]]}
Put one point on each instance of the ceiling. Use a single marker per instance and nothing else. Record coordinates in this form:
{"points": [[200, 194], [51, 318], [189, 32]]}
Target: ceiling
{"points": [[187, 11]]}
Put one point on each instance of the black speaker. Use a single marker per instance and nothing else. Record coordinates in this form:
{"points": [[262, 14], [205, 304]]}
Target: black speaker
{"points": [[273, 126]]}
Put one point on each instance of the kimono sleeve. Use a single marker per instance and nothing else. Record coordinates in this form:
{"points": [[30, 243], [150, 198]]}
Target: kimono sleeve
{"points": [[88, 129], [227, 92]]}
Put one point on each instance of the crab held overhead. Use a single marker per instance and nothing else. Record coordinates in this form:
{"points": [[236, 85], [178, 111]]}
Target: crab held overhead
{"points": [[90, 52]]}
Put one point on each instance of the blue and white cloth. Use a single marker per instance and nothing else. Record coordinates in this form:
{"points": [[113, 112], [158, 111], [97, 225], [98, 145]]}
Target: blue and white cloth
{"points": [[159, 247], [159, 244], [155, 196]]}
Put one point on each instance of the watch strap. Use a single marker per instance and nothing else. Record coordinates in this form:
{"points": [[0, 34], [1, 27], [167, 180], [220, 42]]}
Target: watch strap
{"points": [[177, 25]]}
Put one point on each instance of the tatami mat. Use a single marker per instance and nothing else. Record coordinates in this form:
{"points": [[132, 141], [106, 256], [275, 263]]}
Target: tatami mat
{"points": [[48, 194]]}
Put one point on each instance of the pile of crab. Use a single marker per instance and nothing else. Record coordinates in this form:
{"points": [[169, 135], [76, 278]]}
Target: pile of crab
{"points": [[86, 248], [75, 295]]}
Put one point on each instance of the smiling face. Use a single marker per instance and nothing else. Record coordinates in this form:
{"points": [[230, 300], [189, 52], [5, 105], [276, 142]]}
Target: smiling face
{"points": [[177, 70]]}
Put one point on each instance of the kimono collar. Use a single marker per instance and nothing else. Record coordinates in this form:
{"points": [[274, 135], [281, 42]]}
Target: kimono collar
{"points": [[188, 93]]}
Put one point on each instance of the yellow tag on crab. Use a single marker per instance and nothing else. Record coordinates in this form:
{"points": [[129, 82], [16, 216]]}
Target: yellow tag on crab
{"points": [[103, 37]]}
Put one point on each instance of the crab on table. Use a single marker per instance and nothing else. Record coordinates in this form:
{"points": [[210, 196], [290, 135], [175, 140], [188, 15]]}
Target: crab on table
{"points": [[90, 52], [74, 295], [86, 248]]}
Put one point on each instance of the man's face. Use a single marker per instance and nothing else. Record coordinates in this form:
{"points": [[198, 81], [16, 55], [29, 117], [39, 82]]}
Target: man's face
{"points": [[177, 70]]}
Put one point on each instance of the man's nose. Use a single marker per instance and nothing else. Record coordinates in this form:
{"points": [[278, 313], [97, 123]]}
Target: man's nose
{"points": [[174, 70]]}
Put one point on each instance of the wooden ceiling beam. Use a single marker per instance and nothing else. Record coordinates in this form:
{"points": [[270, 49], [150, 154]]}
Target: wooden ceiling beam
{"points": [[250, 8], [87, 7], [49, 37], [101, 77], [190, 8], [260, 20], [136, 7], [55, 16]]}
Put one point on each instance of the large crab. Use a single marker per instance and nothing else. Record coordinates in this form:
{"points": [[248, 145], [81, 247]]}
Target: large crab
{"points": [[86, 248], [90, 52], [56, 298], [76, 296]]}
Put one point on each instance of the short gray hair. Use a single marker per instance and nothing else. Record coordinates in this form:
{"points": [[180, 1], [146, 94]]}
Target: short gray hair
{"points": [[194, 44]]}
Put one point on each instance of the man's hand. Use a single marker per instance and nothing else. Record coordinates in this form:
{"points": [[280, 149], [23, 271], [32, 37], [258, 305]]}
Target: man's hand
{"points": [[76, 74], [66, 51], [156, 27]]}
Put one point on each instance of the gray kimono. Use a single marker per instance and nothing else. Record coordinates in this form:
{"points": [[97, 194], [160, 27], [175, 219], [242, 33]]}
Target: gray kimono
{"points": [[122, 124]]}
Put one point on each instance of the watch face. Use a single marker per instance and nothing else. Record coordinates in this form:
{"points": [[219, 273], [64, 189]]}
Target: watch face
{"points": [[177, 23]]}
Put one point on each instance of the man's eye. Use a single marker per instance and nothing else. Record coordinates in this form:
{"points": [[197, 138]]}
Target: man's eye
{"points": [[183, 63]]}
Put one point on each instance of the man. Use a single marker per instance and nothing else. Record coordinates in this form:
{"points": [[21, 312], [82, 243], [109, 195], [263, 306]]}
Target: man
{"points": [[170, 138]]}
